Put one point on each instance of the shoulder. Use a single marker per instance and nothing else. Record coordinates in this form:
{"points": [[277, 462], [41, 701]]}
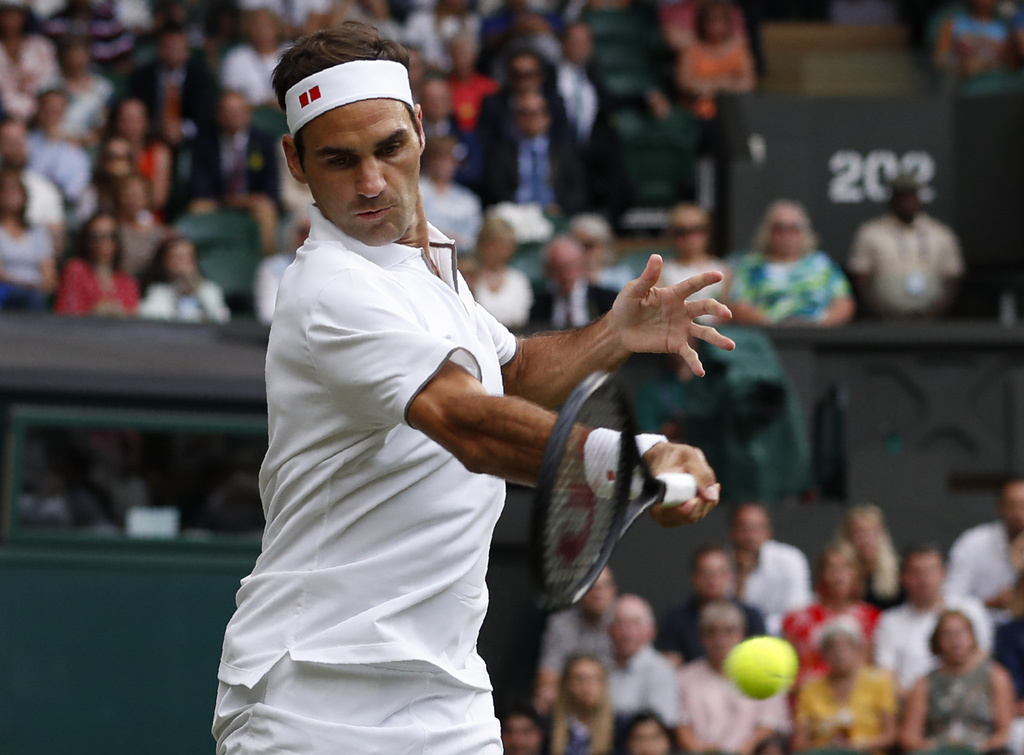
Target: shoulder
{"points": [[773, 549], [76, 268], [980, 536]]}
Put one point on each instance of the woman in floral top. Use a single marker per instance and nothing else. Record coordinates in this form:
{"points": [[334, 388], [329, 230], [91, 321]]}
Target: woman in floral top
{"points": [[786, 281]]}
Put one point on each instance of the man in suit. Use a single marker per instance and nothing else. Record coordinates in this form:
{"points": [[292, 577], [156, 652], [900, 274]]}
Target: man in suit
{"points": [[570, 301], [177, 90], [535, 165], [235, 167]]}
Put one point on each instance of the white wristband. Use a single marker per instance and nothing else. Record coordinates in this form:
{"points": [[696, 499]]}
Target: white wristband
{"points": [[601, 457]]}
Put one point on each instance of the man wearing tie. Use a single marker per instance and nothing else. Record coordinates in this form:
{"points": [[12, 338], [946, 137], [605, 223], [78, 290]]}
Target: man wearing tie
{"points": [[570, 301]]}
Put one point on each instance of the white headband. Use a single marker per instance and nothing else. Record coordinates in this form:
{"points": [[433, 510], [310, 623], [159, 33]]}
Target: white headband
{"points": [[343, 84]]}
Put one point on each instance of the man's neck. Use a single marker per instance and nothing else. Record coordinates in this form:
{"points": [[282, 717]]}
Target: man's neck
{"points": [[930, 604]]}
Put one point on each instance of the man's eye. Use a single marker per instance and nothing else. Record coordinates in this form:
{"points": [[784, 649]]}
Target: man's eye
{"points": [[391, 149]]}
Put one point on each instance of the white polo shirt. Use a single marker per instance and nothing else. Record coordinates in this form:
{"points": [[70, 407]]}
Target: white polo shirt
{"points": [[780, 583], [980, 564], [376, 543]]}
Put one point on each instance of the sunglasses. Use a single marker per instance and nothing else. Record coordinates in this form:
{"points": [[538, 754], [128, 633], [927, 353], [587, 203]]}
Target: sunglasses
{"points": [[687, 230]]}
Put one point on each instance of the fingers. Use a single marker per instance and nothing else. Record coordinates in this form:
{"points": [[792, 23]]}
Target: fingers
{"points": [[647, 280], [713, 307], [710, 335], [691, 358], [695, 283]]}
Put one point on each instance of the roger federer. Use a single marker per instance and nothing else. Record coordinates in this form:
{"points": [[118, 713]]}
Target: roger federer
{"points": [[397, 409]]}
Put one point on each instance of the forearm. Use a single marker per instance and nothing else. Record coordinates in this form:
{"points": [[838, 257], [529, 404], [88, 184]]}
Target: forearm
{"points": [[548, 366]]}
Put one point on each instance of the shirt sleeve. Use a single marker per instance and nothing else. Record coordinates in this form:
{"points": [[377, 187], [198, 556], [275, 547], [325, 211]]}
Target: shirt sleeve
{"points": [[372, 350], [862, 258], [504, 342], [959, 574], [665, 697]]}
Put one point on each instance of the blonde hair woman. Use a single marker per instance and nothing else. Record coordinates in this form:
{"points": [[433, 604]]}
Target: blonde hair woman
{"points": [[500, 289], [582, 719], [864, 528]]}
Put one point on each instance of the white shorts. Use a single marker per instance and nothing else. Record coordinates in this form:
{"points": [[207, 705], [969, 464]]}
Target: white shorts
{"points": [[319, 709]]}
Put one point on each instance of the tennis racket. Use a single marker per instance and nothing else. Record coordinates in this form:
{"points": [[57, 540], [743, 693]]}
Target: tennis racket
{"points": [[593, 484]]}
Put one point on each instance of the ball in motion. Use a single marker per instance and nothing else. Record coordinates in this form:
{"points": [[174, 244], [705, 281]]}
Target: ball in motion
{"points": [[762, 666]]}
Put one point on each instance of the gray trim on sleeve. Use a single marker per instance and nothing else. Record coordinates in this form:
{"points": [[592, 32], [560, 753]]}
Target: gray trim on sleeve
{"points": [[432, 375], [514, 353]]}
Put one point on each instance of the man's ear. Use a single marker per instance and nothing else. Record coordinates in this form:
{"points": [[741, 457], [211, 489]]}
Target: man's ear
{"points": [[291, 156], [417, 112]]}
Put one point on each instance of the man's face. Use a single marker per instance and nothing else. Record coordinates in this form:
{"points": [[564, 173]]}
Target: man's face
{"points": [[631, 629], [531, 114], [362, 165], [719, 638], [436, 101], [905, 205], [565, 265], [525, 74], [13, 145], [578, 44], [750, 529], [172, 49], [712, 577], [521, 736], [52, 107], [1011, 507], [233, 114], [922, 577]]}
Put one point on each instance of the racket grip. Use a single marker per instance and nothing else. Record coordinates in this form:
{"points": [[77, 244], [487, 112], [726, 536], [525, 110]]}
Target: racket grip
{"points": [[679, 487]]}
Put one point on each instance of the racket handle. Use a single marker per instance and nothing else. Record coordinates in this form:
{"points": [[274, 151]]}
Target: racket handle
{"points": [[679, 487]]}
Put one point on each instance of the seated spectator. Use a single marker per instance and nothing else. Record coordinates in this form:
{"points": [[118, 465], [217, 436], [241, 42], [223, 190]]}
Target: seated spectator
{"points": [[901, 637], [271, 269], [646, 734], [570, 301], [690, 229], [595, 235], [785, 281], [249, 67], [374, 12], [28, 265], [235, 167], [92, 283], [966, 702], [639, 677], [88, 94], [176, 290], [176, 89], [906, 264], [839, 584], [984, 561], [468, 86], [28, 62], [773, 577], [150, 155], [975, 42], [45, 203], [582, 629], [435, 100], [718, 61], [864, 528], [1009, 650], [517, 24], [49, 153], [431, 29], [712, 579], [581, 719], [853, 706], [114, 163], [677, 20], [139, 230], [454, 210], [111, 44], [521, 731], [716, 716], [498, 287]]}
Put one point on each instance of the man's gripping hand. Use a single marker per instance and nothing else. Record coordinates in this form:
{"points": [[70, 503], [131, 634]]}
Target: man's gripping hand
{"points": [[676, 457]]}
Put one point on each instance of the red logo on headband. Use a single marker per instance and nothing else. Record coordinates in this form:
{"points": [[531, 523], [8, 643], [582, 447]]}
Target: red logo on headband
{"points": [[311, 96]]}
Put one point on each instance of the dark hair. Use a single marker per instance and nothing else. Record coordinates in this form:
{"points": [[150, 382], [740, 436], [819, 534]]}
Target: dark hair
{"points": [[707, 10], [522, 710], [649, 716], [15, 175], [84, 241], [705, 550], [110, 127], [920, 549], [171, 27], [326, 48], [933, 641], [68, 42], [156, 270]]}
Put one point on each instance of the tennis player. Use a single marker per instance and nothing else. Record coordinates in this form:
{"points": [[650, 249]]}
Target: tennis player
{"points": [[397, 409]]}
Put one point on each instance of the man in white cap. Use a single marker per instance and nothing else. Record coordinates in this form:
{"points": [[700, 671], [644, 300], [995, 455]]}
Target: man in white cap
{"points": [[396, 405]]}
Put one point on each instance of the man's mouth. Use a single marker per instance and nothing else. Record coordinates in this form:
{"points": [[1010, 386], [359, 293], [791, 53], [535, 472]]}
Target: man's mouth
{"points": [[373, 214]]}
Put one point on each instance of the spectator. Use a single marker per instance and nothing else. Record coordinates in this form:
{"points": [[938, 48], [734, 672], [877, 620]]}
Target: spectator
{"points": [[92, 283], [151, 156], [1009, 650], [864, 528], [431, 29], [839, 584], [49, 153], [974, 42], [716, 716], [28, 265], [45, 203], [785, 281], [28, 62], [468, 86], [111, 44], [570, 301], [453, 209], [521, 732], [139, 230], [906, 264], [579, 630], [639, 677], [520, 23], [271, 269], [712, 579], [901, 637], [718, 62], [690, 229], [595, 235], [114, 163], [773, 577], [985, 560], [646, 734], [499, 288], [966, 702], [853, 706], [678, 22], [535, 166], [176, 289], [88, 94], [439, 120], [249, 67], [175, 89], [582, 720], [375, 12], [236, 168]]}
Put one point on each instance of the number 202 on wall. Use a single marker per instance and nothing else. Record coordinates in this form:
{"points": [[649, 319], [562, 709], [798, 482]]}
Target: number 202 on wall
{"points": [[864, 177]]}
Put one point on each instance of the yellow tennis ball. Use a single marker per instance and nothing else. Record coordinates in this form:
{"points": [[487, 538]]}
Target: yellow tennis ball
{"points": [[762, 666]]}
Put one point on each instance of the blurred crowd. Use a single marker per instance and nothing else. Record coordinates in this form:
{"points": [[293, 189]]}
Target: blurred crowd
{"points": [[899, 652]]}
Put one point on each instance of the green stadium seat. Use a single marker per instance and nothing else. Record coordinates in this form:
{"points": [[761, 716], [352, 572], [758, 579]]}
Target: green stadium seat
{"points": [[660, 155], [228, 246], [635, 26], [180, 180], [270, 120]]}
